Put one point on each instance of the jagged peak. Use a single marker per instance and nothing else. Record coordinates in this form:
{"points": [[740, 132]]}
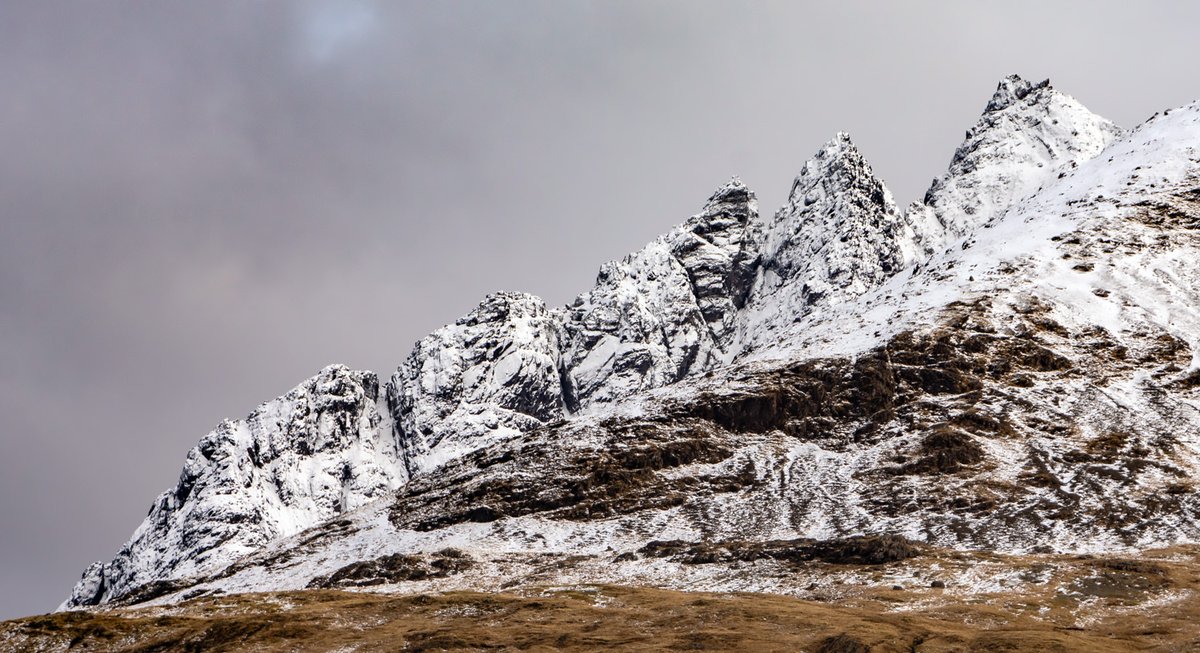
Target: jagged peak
{"points": [[1026, 134], [731, 209], [340, 380], [735, 187], [1013, 89], [837, 149], [333, 370], [837, 166], [840, 145], [837, 237], [1060, 121], [503, 305], [511, 297], [732, 192], [732, 198]]}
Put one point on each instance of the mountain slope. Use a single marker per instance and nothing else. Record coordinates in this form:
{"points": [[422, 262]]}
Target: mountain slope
{"points": [[1010, 365]]}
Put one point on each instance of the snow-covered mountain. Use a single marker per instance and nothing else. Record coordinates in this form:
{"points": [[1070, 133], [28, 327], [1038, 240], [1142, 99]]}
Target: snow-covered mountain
{"points": [[1011, 363]]}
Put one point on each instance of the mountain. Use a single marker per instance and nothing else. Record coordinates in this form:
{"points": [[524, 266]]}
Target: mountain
{"points": [[1011, 364]]}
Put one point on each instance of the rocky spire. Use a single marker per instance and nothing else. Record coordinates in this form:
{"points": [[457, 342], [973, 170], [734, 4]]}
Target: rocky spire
{"points": [[491, 374], [665, 311], [1028, 134], [718, 252], [837, 237]]}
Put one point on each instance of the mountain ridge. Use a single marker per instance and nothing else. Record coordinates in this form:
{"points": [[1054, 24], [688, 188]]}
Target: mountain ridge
{"points": [[725, 288]]}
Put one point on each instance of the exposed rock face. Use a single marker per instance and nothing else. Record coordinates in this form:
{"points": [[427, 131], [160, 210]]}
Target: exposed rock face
{"points": [[665, 311], [492, 374], [719, 250], [837, 368], [320, 450]]}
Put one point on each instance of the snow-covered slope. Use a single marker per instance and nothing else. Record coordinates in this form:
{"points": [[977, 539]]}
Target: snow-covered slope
{"points": [[1011, 363]]}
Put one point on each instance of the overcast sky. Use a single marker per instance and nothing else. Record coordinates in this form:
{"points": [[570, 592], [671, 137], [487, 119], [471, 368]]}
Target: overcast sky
{"points": [[203, 203]]}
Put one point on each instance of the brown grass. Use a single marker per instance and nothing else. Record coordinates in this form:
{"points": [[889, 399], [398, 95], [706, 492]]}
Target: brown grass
{"points": [[1141, 602]]}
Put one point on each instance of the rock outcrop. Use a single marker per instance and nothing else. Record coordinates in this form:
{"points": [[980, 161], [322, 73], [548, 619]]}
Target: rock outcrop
{"points": [[325, 448], [666, 311], [492, 374]]}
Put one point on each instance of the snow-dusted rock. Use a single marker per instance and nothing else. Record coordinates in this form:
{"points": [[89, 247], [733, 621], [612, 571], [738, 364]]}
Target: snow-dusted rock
{"points": [[1037, 391], [837, 237], [490, 375], [322, 449], [718, 248], [1029, 134], [665, 311]]}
